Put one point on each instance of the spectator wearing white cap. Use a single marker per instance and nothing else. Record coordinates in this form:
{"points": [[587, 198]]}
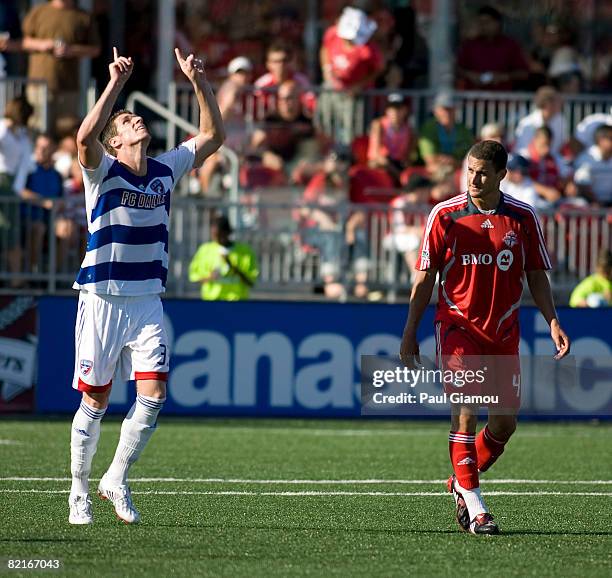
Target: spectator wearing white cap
{"points": [[585, 130], [565, 70], [230, 103], [350, 62]]}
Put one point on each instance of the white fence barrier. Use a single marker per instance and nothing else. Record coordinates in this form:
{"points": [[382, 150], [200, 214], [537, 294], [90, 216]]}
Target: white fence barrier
{"points": [[346, 118], [43, 249]]}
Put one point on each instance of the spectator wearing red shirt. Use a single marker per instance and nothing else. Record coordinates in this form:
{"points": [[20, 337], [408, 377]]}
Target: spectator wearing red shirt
{"points": [[392, 138], [350, 63], [281, 67], [492, 60], [546, 167]]}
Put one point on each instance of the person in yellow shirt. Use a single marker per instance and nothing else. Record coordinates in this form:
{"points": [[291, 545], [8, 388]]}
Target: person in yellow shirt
{"points": [[595, 290], [225, 270]]}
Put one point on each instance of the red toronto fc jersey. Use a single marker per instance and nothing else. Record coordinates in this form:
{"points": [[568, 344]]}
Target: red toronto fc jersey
{"points": [[481, 259]]}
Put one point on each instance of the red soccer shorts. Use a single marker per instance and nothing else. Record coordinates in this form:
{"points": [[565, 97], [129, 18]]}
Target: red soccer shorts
{"points": [[471, 368]]}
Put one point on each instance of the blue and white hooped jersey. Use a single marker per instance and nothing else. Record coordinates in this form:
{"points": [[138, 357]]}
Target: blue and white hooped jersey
{"points": [[127, 223]]}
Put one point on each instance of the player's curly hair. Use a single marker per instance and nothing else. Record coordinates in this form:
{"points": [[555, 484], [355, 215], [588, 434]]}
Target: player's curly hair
{"points": [[110, 130], [490, 150]]}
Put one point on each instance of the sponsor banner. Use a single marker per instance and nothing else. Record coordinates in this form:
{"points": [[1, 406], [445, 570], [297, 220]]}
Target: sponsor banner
{"points": [[304, 359], [18, 340]]}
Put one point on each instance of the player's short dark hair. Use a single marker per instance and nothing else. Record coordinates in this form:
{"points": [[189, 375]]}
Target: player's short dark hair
{"points": [[490, 150], [110, 130], [490, 11], [602, 130], [543, 130]]}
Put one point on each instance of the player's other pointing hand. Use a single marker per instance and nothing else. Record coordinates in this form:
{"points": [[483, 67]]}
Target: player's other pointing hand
{"points": [[192, 67], [120, 68]]}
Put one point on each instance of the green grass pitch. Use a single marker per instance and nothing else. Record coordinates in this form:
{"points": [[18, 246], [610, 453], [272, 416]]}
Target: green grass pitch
{"points": [[311, 498]]}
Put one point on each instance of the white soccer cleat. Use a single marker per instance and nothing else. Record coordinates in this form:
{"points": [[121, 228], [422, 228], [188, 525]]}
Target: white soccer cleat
{"points": [[80, 509], [121, 498]]}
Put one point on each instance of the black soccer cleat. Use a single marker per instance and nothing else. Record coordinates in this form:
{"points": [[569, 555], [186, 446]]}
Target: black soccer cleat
{"points": [[462, 514], [484, 524]]}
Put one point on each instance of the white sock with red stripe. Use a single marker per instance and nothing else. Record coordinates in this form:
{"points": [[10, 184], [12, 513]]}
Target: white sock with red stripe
{"points": [[136, 430], [473, 501], [84, 437]]}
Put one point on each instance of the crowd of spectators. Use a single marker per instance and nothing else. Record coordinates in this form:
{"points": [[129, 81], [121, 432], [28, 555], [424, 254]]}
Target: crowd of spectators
{"points": [[409, 166], [41, 175], [398, 161]]}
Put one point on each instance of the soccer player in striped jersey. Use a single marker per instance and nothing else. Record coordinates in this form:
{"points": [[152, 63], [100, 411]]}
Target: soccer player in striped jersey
{"points": [[481, 244], [119, 322]]}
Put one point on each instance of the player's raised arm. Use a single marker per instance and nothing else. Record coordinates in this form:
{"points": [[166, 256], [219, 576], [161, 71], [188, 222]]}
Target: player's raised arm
{"points": [[88, 143], [211, 134]]}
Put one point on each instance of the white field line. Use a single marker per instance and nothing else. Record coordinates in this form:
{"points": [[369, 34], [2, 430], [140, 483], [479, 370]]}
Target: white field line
{"points": [[314, 482], [351, 432], [10, 443], [316, 494], [356, 432]]}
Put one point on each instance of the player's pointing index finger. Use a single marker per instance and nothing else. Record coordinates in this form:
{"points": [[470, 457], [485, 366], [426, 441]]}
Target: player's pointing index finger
{"points": [[115, 53], [178, 53]]}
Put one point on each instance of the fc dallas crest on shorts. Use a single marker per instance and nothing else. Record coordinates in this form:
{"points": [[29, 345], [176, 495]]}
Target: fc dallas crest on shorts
{"points": [[85, 366]]}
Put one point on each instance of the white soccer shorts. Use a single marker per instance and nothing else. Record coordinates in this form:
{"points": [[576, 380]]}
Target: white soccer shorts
{"points": [[118, 333]]}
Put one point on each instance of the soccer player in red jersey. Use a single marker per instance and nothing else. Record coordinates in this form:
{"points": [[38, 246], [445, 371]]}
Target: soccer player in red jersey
{"points": [[481, 244]]}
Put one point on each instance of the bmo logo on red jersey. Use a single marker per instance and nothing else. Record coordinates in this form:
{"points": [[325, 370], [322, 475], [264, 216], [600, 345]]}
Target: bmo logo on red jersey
{"points": [[504, 259], [473, 259]]}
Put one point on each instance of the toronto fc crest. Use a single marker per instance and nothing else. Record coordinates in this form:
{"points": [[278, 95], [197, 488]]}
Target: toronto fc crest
{"points": [[511, 239]]}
